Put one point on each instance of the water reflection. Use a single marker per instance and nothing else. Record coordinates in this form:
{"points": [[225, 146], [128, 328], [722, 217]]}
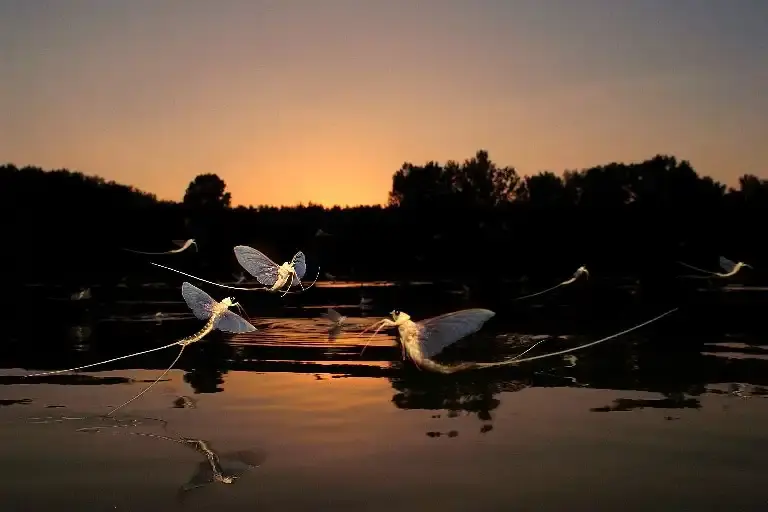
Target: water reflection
{"points": [[23, 401], [211, 470], [676, 401], [185, 402], [455, 394]]}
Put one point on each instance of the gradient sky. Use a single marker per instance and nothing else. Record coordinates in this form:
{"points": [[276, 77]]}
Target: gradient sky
{"points": [[302, 100]]}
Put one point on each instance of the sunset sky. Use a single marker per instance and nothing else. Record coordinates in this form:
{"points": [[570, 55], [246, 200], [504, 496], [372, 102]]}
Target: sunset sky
{"points": [[299, 100]]}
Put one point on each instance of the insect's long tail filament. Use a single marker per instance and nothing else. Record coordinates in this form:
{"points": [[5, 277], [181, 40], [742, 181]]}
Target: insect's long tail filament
{"points": [[574, 349], [518, 356], [206, 281], [542, 292], [104, 362], [697, 268], [150, 386]]}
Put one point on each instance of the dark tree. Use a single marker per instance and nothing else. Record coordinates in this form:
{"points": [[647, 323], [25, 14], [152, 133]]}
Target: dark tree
{"points": [[414, 186], [478, 182], [207, 191]]}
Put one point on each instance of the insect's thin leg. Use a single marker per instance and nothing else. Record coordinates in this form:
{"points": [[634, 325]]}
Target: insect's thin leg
{"points": [[104, 362], [299, 280], [206, 281], [312, 284], [242, 310], [384, 323], [288, 288], [370, 327], [150, 386]]}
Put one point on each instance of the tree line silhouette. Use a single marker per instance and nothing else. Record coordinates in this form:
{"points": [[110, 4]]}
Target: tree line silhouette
{"points": [[459, 221]]}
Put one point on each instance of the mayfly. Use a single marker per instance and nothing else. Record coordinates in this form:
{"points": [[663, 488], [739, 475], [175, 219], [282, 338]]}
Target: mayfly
{"points": [[266, 271], [83, 294], [182, 244], [729, 267], [337, 322], [211, 470], [582, 270], [204, 307], [421, 341]]}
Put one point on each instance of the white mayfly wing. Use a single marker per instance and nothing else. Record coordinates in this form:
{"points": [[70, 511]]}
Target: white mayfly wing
{"points": [[257, 264], [198, 301], [180, 243], [333, 315], [299, 262], [441, 331], [727, 264], [229, 321]]}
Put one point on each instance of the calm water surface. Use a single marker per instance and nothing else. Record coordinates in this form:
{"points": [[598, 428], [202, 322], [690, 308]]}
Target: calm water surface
{"points": [[646, 422]]}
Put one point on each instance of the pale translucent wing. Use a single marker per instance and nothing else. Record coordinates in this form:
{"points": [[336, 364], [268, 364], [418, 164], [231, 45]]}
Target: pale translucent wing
{"points": [[230, 321], [203, 476], [198, 301], [727, 264], [333, 315], [334, 332], [257, 264], [441, 331], [180, 243], [299, 264]]}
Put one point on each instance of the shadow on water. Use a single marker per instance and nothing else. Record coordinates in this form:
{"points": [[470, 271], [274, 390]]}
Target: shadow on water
{"points": [[329, 412]]}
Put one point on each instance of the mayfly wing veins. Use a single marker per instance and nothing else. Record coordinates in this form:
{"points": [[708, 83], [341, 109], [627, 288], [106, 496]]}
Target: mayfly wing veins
{"points": [[230, 321], [442, 331], [299, 262], [257, 264], [198, 301], [727, 264], [333, 315]]}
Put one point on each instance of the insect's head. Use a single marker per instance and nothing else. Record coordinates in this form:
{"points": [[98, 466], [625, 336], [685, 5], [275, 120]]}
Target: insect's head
{"points": [[583, 270], [229, 302], [228, 479], [399, 316], [745, 265]]}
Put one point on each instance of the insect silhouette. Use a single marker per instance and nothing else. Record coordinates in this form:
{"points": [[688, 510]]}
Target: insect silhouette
{"points": [[337, 322], [83, 294], [183, 246], [729, 267], [204, 307], [266, 271], [582, 270], [421, 341]]}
